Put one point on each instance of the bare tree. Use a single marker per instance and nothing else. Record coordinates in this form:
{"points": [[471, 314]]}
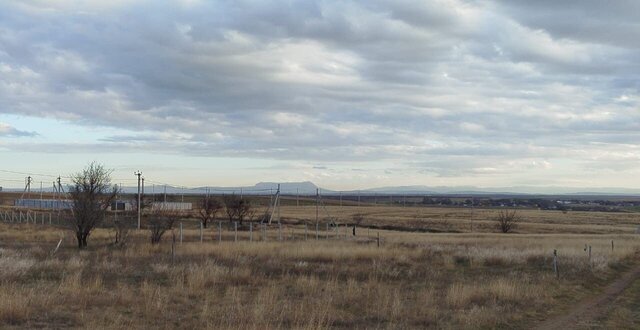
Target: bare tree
{"points": [[237, 208], [92, 194], [209, 207], [161, 220], [507, 220], [145, 202], [122, 224], [358, 218]]}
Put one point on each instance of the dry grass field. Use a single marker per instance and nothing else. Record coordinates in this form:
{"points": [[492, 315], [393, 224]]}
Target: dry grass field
{"points": [[431, 270]]}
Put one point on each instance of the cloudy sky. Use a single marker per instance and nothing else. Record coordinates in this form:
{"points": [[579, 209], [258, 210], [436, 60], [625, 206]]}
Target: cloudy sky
{"points": [[347, 94]]}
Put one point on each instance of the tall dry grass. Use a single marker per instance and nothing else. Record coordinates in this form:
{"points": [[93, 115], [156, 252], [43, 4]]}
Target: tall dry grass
{"points": [[414, 280]]}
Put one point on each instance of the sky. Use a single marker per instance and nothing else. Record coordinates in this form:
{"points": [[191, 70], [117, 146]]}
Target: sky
{"points": [[346, 94]]}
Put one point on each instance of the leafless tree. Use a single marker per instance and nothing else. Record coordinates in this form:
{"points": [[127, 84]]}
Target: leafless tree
{"points": [[507, 220], [237, 209], [160, 220], [121, 224], [145, 202], [358, 218], [92, 194], [209, 207]]}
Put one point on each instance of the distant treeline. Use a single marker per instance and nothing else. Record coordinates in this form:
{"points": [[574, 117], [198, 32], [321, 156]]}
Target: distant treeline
{"points": [[538, 203]]}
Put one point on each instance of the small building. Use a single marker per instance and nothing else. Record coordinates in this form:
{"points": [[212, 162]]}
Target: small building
{"points": [[52, 204], [129, 205]]}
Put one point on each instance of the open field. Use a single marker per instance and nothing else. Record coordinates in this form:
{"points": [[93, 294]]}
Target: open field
{"points": [[449, 278]]}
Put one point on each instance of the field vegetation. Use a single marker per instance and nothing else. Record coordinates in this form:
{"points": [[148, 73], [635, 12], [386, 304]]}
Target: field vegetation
{"points": [[431, 270]]}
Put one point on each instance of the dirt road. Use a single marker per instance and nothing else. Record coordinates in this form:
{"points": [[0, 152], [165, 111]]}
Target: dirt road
{"points": [[591, 308]]}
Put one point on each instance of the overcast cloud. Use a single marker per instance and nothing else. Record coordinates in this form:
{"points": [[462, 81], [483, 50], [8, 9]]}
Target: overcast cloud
{"points": [[445, 88]]}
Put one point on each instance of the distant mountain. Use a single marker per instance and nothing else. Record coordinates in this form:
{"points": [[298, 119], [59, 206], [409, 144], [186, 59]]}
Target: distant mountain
{"points": [[303, 188], [309, 188], [516, 190]]}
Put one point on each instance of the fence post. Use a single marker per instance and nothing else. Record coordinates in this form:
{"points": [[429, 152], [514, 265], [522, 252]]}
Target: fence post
{"points": [[346, 231], [235, 231], [326, 233], [219, 231], [378, 239], [611, 245], [590, 264], [279, 231], [181, 235], [201, 233], [555, 263], [250, 231], [264, 232]]}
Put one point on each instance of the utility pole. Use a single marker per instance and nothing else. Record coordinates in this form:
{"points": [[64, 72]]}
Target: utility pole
{"points": [[59, 195], [139, 174], [278, 203], [472, 209], [27, 187], [317, 203]]}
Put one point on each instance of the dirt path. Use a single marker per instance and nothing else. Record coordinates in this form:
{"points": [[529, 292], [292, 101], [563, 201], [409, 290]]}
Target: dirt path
{"points": [[591, 308]]}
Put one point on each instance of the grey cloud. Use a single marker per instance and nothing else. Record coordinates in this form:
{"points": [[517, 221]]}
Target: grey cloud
{"points": [[10, 131], [332, 80]]}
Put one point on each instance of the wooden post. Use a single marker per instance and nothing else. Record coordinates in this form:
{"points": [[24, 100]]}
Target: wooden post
{"points": [[219, 231], [378, 240], [201, 233], [173, 245], [250, 231], [611, 245], [235, 231], [590, 264], [555, 263], [181, 234], [326, 233], [264, 232]]}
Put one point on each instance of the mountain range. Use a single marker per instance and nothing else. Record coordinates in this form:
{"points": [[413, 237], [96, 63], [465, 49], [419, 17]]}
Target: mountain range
{"points": [[309, 188]]}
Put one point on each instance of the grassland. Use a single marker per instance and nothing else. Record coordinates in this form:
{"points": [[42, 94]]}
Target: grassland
{"points": [[432, 270]]}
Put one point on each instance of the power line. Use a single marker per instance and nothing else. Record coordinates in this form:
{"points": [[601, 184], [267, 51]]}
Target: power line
{"points": [[32, 173]]}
